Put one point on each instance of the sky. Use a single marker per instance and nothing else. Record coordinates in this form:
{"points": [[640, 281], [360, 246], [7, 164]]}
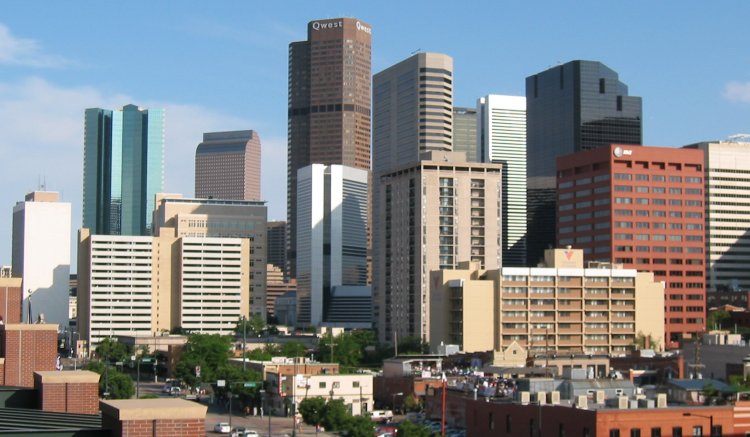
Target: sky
{"points": [[222, 65]]}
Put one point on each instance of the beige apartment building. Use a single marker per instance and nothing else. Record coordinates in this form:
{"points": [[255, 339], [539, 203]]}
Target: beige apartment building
{"points": [[563, 307], [220, 218], [432, 214], [141, 286]]}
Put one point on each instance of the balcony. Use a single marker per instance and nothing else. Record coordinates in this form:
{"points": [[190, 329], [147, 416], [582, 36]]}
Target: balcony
{"points": [[576, 317], [572, 330], [569, 306], [514, 331]]}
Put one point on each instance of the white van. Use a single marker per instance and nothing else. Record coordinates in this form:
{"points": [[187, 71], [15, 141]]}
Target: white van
{"points": [[381, 415]]}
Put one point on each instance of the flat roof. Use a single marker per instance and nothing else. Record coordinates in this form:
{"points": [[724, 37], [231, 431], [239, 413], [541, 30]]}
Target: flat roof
{"points": [[14, 421]]}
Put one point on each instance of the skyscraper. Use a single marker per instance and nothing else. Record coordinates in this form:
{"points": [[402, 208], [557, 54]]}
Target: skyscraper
{"points": [[329, 104], [412, 110], [41, 255], [727, 185], [434, 213], [123, 169], [465, 133], [332, 205], [502, 136], [227, 166], [576, 106], [276, 244]]}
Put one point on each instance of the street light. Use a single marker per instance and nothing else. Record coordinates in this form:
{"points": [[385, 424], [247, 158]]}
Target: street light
{"points": [[393, 403], [266, 396], [710, 421], [244, 341]]}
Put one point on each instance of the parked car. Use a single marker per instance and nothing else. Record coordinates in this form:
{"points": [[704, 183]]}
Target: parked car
{"points": [[175, 391], [222, 428], [249, 433]]}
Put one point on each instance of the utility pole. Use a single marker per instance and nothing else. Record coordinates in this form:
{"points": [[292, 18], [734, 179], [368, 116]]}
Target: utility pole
{"points": [[244, 342]]}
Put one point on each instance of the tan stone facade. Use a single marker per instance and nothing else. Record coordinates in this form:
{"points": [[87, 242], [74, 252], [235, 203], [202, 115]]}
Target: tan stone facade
{"points": [[561, 308], [432, 214]]}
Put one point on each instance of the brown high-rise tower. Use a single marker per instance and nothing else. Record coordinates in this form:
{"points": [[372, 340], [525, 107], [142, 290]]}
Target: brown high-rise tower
{"points": [[329, 104], [227, 166]]}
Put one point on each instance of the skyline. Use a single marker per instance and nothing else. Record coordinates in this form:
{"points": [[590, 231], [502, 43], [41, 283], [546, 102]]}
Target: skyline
{"points": [[225, 68]]}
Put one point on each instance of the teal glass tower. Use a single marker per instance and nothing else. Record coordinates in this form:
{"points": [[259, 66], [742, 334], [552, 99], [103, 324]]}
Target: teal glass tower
{"points": [[123, 169]]}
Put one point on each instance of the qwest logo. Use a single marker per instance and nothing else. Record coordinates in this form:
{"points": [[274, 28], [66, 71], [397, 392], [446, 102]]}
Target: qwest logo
{"points": [[317, 25]]}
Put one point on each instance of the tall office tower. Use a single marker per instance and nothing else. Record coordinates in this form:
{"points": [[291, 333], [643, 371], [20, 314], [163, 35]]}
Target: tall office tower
{"points": [[329, 104], [136, 285], [276, 243], [123, 168], [502, 136], [576, 106], [465, 133], [412, 110], [435, 213], [41, 255], [641, 207], [227, 166], [217, 218], [727, 196], [332, 211]]}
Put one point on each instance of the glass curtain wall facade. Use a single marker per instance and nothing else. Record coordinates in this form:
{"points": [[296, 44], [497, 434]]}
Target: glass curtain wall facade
{"points": [[123, 169], [580, 105]]}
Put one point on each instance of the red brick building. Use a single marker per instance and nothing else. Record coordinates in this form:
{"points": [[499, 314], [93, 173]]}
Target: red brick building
{"points": [[154, 417], [24, 349], [641, 207], [10, 300], [74, 392]]}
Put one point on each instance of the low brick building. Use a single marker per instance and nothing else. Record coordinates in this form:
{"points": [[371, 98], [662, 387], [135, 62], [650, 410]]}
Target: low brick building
{"points": [[24, 349], [10, 300], [68, 392], [154, 417]]}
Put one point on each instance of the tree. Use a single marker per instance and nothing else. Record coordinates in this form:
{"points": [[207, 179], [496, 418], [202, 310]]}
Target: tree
{"points": [[411, 403], [412, 345], [335, 415], [254, 326], [293, 349], [112, 350], [409, 429], [358, 426], [717, 319], [112, 381], [312, 410]]}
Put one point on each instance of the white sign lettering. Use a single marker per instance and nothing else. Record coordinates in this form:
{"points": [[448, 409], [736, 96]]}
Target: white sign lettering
{"points": [[317, 25], [363, 28]]}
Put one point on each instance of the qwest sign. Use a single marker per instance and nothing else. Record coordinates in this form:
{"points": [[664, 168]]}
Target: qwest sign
{"points": [[317, 25], [325, 25]]}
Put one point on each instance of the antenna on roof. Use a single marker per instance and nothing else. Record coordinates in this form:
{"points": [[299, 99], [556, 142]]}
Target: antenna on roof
{"points": [[415, 51], [739, 138]]}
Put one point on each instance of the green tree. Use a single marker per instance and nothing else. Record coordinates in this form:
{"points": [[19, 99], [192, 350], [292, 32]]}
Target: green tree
{"points": [[252, 327], [312, 410], [292, 349], [358, 426], [112, 350], [409, 429], [112, 381], [412, 346], [717, 319], [335, 415], [411, 403]]}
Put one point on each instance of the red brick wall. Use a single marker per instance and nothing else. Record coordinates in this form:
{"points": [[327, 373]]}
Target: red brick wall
{"points": [[10, 299], [26, 351], [78, 398], [160, 428]]}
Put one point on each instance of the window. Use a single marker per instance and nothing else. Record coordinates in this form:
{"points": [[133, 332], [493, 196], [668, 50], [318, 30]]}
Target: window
{"points": [[635, 432], [321, 385], [697, 430], [355, 384], [656, 432], [614, 433], [677, 430], [508, 423]]}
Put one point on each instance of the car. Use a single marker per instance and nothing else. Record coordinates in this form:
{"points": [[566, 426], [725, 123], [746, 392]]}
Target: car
{"points": [[250, 433], [222, 428], [175, 391], [237, 431], [167, 388]]}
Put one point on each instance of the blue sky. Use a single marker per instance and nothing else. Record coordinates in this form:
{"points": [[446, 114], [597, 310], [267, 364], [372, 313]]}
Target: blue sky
{"points": [[222, 65]]}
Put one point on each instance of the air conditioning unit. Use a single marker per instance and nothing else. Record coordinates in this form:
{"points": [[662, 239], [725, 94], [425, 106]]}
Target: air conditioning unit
{"points": [[553, 397], [661, 400], [525, 398], [622, 402], [541, 397], [582, 402], [599, 396]]}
